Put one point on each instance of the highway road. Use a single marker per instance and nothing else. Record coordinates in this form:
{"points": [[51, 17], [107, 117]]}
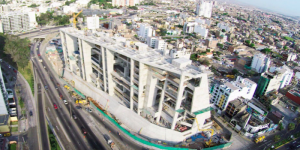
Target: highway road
{"points": [[62, 113], [42, 121]]}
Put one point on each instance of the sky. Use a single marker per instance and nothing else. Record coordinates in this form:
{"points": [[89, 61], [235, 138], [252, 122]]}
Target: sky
{"points": [[287, 7]]}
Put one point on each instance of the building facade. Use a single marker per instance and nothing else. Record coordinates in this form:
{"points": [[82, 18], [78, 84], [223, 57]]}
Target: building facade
{"points": [[276, 78], [225, 91], [163, 90], [18, 21], [204, 8], [145, 31], [4, 116], [260, 63], [92, 22]]}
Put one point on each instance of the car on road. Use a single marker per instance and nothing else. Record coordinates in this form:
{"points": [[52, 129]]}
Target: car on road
{"points": [[78, 107], [39, 54], [83, 130], [74, 116], [55, 106], [30, 113], [15, 70], [56, 87], [88, 109], [57, 84], [46, 87], [66, 102], [60, 95]]}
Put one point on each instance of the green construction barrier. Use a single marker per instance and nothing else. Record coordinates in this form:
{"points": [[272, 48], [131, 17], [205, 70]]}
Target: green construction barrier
{"points": [[79, 93], [149, 143]]}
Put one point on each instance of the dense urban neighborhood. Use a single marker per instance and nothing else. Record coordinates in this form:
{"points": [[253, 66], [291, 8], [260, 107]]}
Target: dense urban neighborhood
{"points": [[148, 74]]}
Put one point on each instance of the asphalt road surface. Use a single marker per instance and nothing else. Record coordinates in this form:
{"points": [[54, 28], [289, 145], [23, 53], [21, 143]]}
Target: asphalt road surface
{"points": [[63, 116], [43, 127]]}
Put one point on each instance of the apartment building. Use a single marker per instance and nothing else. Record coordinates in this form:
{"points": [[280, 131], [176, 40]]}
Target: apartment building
{"points": [[166, 91], [204, 8], [18, 21], [92, 22], [276, 78], [260, 63], [4, 116], [4, 8], [225, 92], [145, 31]]}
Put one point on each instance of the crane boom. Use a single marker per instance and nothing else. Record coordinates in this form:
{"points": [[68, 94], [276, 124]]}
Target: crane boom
{"points": [[74, 18]]}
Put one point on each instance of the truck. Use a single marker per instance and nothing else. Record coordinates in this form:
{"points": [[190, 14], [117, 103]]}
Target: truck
{"points": [[109, 141], [259, 139]]}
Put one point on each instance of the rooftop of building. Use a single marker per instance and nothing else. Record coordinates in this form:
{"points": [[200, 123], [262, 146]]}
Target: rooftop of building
{"points": [[151, 57]]}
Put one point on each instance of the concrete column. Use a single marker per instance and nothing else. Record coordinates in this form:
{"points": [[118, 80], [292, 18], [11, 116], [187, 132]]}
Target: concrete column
{"points": [[131, 83], [161, 100], [179, 100], [104, 67], [86, 61]]}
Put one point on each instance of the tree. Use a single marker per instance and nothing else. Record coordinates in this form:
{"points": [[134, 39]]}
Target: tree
{"points": [[208, 50], [276, 138], [248, 42], [234, 71], [266, 50], [141, 20], [291, 126], [285, 47], [252, 45], [223, 30], [220, 45], [33, 5], [280, 126]]}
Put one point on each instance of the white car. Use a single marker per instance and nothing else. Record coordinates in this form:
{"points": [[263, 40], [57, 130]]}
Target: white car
{"points": [[66, 102]]}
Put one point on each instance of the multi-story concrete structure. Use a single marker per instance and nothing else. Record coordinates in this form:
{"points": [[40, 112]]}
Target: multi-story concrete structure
{"points": [[145, 31], [164, 90], [92, 22], [204, 9], [225, 92], [4, 8], [4, 116], [160, 44], [151, 41], [276, 78], [260, 63], [18, 21], [201, 30]]}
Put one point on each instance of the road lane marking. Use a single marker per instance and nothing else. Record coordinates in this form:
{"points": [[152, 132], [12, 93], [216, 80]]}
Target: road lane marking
{"points": [[63, 129]]}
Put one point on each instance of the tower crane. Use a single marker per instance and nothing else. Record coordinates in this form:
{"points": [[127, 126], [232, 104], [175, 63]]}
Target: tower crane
{"points": [[74, 19]]}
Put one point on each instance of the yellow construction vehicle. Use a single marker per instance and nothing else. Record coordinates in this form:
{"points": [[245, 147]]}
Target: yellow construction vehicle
{"points": [[74, 19], [82, 101], [67, 87], [212, 132], [230, 76], [259, 139]]}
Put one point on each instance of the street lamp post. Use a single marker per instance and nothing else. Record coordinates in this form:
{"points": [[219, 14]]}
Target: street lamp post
{"points": [[70, 109]]}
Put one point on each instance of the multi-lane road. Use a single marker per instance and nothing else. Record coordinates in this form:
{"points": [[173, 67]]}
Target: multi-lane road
{"points": [[67, 125]]}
